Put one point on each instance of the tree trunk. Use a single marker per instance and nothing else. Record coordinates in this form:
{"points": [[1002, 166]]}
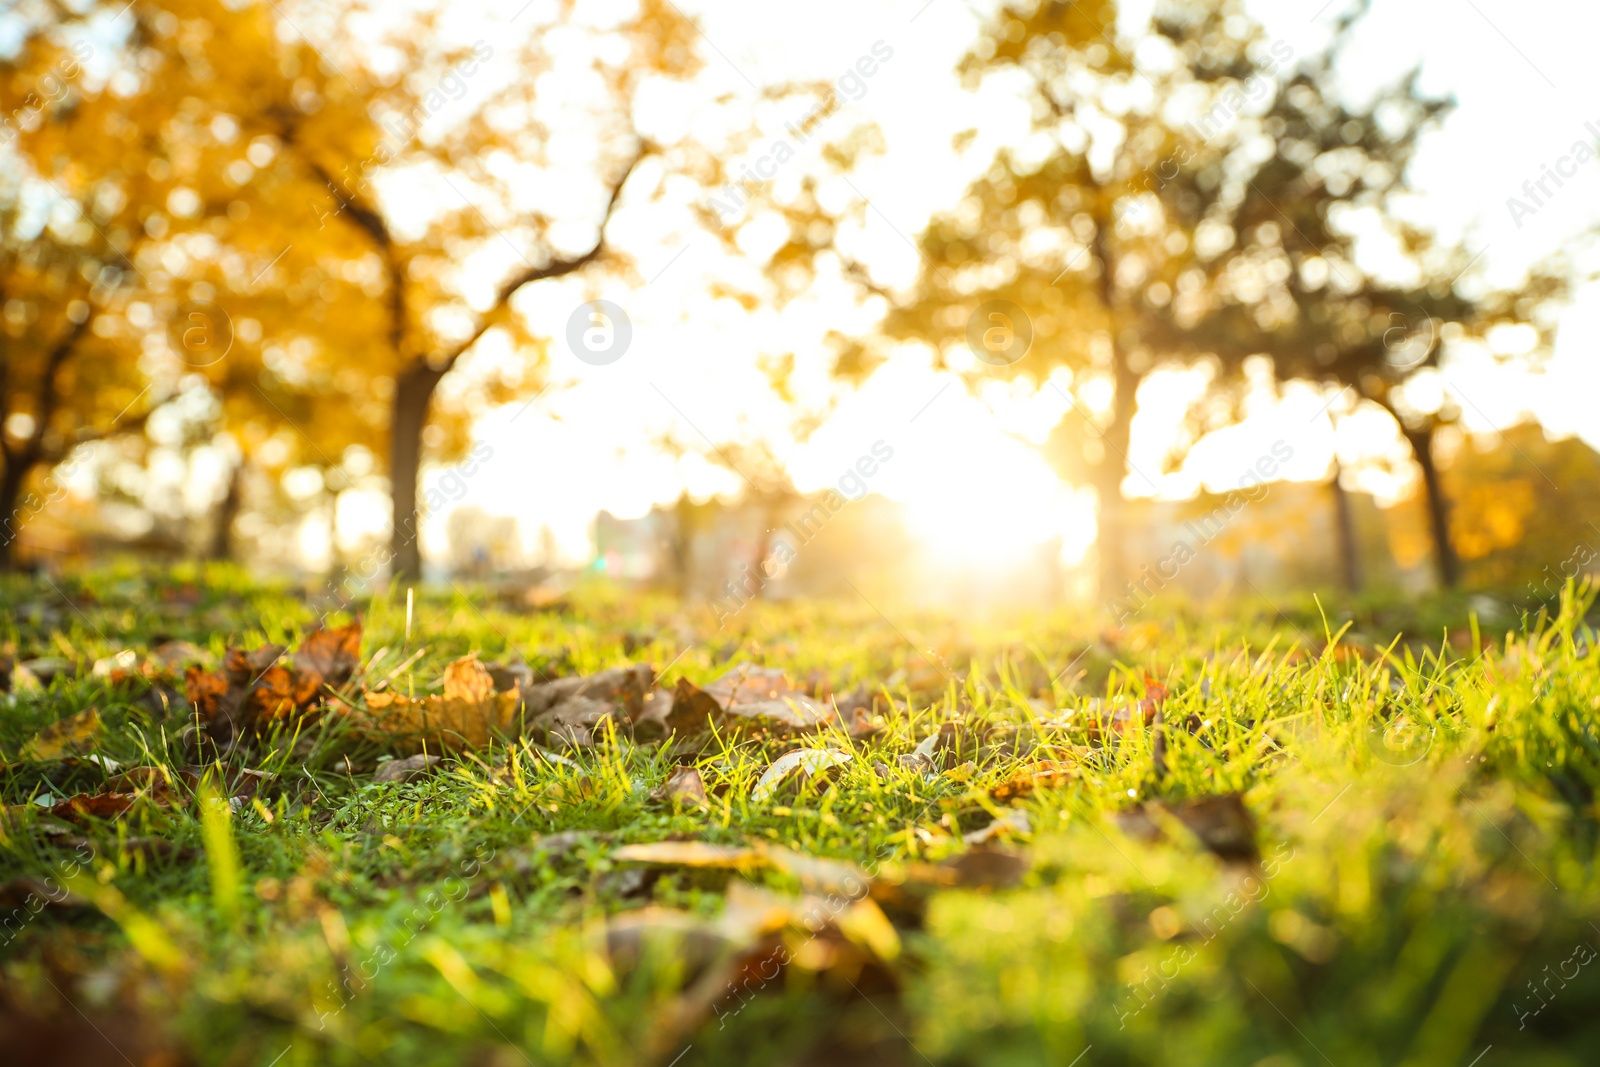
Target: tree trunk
{"points": [[1345, 527], [335, 557], [1444, 553], [220, 546], [770, 509], [1111, 522], [408, 417], [11, 483], [680, 545]]}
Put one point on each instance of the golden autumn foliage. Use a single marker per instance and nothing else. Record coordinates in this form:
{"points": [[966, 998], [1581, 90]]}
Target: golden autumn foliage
{"points": [[305, 227]]}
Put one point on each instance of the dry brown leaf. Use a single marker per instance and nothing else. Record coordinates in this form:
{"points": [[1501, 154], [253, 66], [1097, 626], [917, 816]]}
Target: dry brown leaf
{"points": [[325, 658], [693, 709], [405, 770], [161, 784], [94, 806], [468, 714], [1043, 775], [254, 686], [745, 683], [1222, 823], [746, 697], [683, 786], [986, 868], [250, 686], [1012, 821]]}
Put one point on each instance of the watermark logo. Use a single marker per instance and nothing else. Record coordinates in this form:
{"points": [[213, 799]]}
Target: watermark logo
{"points": [[1537, 192], [999, 333], [599, 332], [201, 333], [1401, 740], [1407, 342]]}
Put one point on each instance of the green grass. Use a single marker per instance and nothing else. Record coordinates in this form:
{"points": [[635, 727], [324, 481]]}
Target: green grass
{"points": [[1424, 804]]}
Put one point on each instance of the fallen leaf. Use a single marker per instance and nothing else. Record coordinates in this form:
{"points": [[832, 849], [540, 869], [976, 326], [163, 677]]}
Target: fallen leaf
{"points": [[668, 934], [1221, 823], [151, 779], [468, 714], [755, 940], [683, 786], [325, 659], [170, 656], [45, 669], [817, 873], [746, 697], [19, 679], [405, 770], [1013, 821], [254, 686], [559, 844], [905, 891], [75, 735], [35, 893], [161, 784], [692, 854], [251, 686], [625, 686], [693, 709], [745, 683], [807, 761], [94, 806], [1042, 775], [986, 868]]}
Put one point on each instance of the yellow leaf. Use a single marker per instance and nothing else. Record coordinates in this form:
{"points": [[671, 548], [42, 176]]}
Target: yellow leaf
{"points": [[72, 736]]}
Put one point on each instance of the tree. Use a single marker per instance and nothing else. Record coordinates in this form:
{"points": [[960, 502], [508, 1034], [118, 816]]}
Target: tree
{"points": [[335, 226], [1076, 249], [1322, 317], [62, 383], [136, 205], [430, 316], [1190, 205]]}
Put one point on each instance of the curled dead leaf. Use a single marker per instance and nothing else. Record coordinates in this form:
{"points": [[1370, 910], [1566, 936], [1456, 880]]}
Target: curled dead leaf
{"points": [[326, 659], [1221, 823], [746, 698], [468, 714], [683, 786], [406, 770], [1011, 822], [802, 763]]}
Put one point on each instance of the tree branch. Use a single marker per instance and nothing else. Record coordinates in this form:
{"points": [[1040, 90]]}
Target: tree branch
{"points": [[48, 397], [554, 269]]}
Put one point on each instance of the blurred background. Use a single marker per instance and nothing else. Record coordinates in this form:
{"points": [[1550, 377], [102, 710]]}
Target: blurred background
{"points": [[956, 303]]}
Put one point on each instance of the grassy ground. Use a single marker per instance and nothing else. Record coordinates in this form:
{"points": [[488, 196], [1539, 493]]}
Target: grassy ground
{"points": [[1415, 884]]}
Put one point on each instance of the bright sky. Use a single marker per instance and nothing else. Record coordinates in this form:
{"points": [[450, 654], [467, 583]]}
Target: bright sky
{"points": [[1522, 73]]}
